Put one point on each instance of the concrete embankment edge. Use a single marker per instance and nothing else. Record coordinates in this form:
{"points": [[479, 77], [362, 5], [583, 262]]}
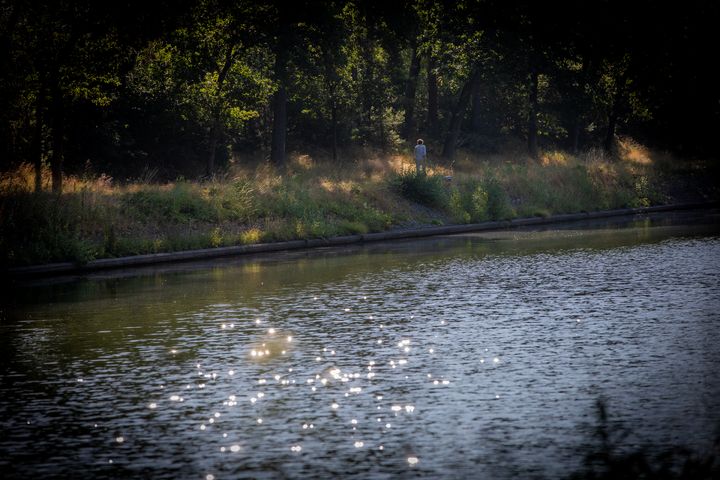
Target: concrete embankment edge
{"points": [[67, 268]]}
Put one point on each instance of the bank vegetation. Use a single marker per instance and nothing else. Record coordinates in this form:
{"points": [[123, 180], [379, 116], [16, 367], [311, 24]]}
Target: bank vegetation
{"points": [[97, 217]]}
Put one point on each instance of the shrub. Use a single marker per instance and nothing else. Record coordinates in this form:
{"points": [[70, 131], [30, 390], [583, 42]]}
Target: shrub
{"points": [[424, 189], [469, 203], [498, 203]]}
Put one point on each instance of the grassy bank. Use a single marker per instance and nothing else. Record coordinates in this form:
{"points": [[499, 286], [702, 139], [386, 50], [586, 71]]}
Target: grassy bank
{"points": [[96, 218]]}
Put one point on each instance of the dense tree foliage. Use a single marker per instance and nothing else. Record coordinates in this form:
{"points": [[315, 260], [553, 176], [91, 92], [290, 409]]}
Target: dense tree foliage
{"points": [[168, 88]]}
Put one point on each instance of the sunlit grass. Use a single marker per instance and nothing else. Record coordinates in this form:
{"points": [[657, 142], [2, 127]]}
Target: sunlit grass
{"points": [[631, 151], [315, 197]]}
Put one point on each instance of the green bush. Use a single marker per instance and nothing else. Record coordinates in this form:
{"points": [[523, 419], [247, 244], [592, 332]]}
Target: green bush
{"points": [[469, 203], [181, 204], [498, 202], [39, 228], [428, 190], [236, 201]]}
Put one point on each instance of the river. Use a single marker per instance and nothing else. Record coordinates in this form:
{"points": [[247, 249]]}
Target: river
{"points": [[469, 356]]}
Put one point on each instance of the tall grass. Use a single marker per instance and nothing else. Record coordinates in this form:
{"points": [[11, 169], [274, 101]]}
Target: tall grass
{"points": [[316, 198]]}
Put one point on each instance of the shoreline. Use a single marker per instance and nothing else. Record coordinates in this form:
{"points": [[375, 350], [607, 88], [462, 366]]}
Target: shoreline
{"points": [[67, 268]]}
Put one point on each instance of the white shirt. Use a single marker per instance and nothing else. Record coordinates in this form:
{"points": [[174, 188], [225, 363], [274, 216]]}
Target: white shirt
{"points": [[420, 151]]}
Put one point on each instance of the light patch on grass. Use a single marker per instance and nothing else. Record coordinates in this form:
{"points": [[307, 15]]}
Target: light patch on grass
{"points": [[216, 237], [337, 185], [555, 158], [250, 236], [633, 152], [22, 180], [302, 161]]}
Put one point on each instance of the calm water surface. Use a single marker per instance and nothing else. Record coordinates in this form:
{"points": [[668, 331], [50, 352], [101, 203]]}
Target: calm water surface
{"points": [[472, 356]]}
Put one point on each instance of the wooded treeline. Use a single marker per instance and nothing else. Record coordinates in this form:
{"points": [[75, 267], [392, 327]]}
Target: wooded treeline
{"points": [[177, 88]]}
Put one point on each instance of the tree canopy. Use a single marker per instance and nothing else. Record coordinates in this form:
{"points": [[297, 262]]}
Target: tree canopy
{"points": [[181, 88]]}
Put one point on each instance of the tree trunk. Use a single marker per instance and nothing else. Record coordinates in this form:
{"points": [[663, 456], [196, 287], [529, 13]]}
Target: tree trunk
{"points": [[214, 135], [366, 84], [579, 92], [458, 114], [333, 117], [610, 135], [331, 80], [279, 132], [476, 120], [409, 128], [576, 136], [37, 149], [532, 119], [216, 127], [432, 87], [613, 116], [58, 134]]}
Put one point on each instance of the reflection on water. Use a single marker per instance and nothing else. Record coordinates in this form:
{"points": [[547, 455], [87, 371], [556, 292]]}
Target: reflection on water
{"points": [[466, 356]]}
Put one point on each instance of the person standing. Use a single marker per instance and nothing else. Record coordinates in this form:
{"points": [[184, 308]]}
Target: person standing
{"points": [[420, 156]]}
